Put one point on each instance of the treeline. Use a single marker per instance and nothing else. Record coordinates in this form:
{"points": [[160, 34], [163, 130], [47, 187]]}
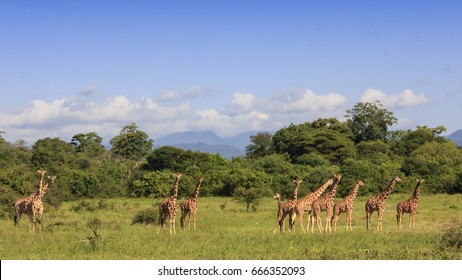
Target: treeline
{"points": [[362, 147]]}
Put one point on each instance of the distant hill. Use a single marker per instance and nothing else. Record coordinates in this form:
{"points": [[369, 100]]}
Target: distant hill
{"points": [[456, 137], [207, 142]]}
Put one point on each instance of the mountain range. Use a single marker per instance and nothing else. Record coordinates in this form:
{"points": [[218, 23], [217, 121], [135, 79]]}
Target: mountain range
{"points": [[229, 147], [207, 141], [456, 137]]}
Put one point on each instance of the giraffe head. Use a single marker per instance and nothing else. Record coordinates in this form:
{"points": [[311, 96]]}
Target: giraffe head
{"points": [[360, 184], [398, 179], [277, 196], [297, 181], [178, 175], [42, 172], [337, 177], [51, 180], [420, 181], [200, 178]]}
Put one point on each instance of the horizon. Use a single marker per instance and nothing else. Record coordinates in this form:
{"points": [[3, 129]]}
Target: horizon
{"points": [[226, 67]]}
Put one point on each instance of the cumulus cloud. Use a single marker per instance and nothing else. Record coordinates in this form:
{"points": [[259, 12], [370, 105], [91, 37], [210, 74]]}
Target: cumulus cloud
{"points": [[404, 99], [168, 113], [306, 101], [106, 116]]}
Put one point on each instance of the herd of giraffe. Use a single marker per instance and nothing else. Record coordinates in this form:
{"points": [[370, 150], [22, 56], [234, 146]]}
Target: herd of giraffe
{"points": [[33, 205], [313, 203]]}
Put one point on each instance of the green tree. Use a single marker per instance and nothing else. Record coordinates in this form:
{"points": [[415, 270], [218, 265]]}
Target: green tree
{"points": [[405, 142], [440, 164], [369, 121], [260, 146], [52, 154], [89, 144], [153, 184], [331, 144], [131, 143], [131, 147]]}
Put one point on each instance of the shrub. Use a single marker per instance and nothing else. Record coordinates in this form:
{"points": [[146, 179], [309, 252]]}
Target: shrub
{"points": [[145, 216], [452, 238]]}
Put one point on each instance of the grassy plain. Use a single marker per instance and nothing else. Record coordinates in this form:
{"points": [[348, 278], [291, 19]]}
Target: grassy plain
{"points": [[226, 231]]}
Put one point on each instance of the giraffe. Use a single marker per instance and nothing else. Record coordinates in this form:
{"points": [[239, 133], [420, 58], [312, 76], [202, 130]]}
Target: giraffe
{"points": [[27, 204], [189, 206], [42, 176], [377, 203], [283, 210], [37, 204], [288, 208], [346, 205], [304, 204], [168, 207], [324, 203], [409, 206]]}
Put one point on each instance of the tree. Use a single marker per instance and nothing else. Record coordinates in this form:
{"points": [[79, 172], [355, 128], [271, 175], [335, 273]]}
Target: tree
{"points": [[131, 143], [369, 121], [89, 143], [52, 153], [331, 144], [440, 164], [131, 147], [261, 145], [405, 142]]}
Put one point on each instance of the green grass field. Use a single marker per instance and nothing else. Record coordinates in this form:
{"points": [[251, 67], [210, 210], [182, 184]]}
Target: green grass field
{"points": [[226, 231]]}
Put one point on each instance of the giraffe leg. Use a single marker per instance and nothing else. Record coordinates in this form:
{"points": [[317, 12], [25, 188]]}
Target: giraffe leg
{"points": [[328, 219], [368, 220], [189, 220], [17, 215], [399, 217], [194, 219], [308, 222], [411, 220], [292, 216], [183, 215], [379, 220], [300, 221], [334, 222], [318, 221], [348, 220]]}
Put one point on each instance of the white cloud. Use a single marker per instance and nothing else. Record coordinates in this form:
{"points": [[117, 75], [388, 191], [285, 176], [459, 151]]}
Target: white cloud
{"points": [[306, 101], [243, 112], [404, 99]]}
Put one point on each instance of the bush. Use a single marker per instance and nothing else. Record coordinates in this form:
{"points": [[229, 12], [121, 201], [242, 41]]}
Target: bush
{"points": [[145, 216], [452, 238]]}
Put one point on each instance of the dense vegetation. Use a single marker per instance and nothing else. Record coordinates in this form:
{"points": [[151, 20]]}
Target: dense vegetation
{"points": [[362, 147]]}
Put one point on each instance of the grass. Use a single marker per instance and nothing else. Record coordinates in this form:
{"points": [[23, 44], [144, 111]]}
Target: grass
{"points": [[229, 233]]}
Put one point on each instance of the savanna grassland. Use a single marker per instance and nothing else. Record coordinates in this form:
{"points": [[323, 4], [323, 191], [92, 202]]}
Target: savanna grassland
{"points": [[102, 229]]}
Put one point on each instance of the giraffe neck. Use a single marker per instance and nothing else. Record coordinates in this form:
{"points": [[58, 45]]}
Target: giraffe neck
{"points": [[387, 192], [317, 193], [195, 194], [175, 187], [42, 176], [416, 194], [295, 193], [334, 189], [354, 192], [44, 188]]}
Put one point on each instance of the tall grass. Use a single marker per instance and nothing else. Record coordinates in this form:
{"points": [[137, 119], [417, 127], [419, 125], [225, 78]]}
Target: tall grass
{"points": [[230, 232]]}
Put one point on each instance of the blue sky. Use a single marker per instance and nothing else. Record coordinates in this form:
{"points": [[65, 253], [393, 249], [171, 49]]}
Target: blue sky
{"points": [[69, 67]]}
